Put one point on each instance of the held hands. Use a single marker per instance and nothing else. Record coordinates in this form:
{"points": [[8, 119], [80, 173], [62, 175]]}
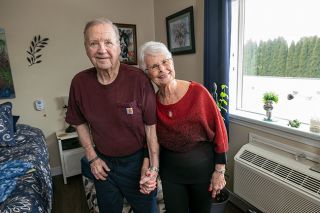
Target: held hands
{"points": [[148, 181], [99, 168], [217, 182]]}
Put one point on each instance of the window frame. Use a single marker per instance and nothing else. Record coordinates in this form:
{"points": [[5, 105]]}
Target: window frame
{"points": [[252, 119]]}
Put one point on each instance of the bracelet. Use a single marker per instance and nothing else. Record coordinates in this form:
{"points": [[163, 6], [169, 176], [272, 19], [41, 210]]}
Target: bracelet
{"points": [[93, 160], [222, 171], [153, 168]]}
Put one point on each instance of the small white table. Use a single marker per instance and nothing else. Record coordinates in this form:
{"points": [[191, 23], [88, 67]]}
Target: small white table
{"points": [[71, 153]]}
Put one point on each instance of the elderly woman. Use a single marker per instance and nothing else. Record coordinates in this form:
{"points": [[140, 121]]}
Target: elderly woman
{"points": [[191, 133]]}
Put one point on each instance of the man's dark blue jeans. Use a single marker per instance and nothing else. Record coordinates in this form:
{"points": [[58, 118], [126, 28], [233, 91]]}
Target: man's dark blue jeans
{"points": [[123, 182]]}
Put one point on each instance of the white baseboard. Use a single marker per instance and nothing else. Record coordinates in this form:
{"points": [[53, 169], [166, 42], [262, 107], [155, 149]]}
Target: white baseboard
{"points": [[56, 171]]}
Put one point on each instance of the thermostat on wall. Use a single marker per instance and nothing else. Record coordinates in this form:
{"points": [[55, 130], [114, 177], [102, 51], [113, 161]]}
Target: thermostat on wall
{"points": [[39, 105]]}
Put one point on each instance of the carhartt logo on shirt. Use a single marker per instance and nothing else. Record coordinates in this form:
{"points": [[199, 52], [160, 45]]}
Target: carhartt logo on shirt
{"points": [[129, 111]]}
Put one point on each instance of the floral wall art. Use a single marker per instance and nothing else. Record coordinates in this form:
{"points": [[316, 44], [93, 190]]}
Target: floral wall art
{"points": [[6, 81], [180, 32], [36, 46]]}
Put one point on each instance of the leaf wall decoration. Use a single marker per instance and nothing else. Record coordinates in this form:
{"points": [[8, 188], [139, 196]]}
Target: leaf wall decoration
{"points": [[36, 46]]}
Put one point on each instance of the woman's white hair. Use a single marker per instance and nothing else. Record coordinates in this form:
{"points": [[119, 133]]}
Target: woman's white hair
{"points": [[152, 48]]}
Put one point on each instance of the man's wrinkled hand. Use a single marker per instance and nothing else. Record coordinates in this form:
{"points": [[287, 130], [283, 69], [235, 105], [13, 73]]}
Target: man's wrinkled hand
{"points": [[148, 182], [99, 169]]}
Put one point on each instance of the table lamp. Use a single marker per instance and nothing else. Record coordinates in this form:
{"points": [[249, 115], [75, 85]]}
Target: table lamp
{"points": [[70, 128]]}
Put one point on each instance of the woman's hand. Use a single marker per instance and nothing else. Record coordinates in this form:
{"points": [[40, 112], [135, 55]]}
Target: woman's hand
{"points": [[148, 182], [218, 181]]}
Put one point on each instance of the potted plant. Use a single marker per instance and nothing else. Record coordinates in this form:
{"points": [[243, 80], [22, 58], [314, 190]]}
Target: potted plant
{"points": [[222, 98], [268, 99], [219, 203], [294, 123]]}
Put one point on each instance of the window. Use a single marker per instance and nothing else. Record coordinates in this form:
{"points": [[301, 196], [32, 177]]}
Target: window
{"points": [[275, 46]]}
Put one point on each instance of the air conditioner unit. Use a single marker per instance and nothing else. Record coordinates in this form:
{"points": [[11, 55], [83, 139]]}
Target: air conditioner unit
{"points": [[275, 179]]}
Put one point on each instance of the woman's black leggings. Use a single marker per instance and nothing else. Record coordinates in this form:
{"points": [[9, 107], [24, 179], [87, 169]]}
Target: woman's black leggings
{"points": [[184, 198]]}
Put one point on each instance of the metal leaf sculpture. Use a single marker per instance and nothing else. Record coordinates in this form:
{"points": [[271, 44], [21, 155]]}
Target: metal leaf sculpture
{"points": [[36, 46]]}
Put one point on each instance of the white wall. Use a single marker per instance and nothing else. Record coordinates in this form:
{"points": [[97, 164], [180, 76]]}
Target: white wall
{"points": [[189, 66], [62, 21]]}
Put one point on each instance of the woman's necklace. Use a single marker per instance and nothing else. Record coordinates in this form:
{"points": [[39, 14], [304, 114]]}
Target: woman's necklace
{"points": [[166, 102], [169, 99]]}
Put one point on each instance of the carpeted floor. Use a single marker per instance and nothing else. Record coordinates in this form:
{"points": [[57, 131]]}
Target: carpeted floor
{"points": [[71, 197]]}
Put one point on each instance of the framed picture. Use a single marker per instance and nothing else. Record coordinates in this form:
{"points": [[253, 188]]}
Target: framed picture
{"points": [[180, 32], [128, 43]]}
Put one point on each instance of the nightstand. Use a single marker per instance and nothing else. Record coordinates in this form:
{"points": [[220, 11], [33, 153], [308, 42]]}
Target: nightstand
{"points": [[71, 153]]}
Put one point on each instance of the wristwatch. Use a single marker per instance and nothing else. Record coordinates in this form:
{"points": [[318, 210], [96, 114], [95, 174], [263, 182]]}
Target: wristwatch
{"points": [[153, 168], [222, 171]]}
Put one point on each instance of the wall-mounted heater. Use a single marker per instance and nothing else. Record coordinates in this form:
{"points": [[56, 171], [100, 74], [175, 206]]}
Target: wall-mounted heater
{"points": [[276, 178]]}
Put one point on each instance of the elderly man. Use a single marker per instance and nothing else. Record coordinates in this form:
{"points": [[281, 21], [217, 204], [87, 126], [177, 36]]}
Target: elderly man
{"points": [[112, 106]]}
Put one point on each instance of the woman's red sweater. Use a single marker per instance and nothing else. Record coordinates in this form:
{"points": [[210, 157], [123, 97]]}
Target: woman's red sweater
{"points": [[193, 119]]}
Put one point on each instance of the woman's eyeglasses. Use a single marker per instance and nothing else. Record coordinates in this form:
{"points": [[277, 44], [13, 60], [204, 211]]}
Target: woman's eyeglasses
{"points": [[156, 67]]}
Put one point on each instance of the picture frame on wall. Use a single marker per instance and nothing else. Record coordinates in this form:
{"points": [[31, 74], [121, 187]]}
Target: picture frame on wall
{"points": [[180, 32], [6, 81], [128, 43]]}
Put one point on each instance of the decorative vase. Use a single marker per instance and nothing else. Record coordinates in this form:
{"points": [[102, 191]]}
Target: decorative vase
{"points": [[219, 203], [268, 108]]}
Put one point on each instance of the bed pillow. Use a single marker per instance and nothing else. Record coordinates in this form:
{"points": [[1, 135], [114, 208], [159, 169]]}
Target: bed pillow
{"points": [[6, 125]]}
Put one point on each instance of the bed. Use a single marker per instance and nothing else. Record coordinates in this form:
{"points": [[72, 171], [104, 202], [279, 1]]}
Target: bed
{"points": [[25, 176]]}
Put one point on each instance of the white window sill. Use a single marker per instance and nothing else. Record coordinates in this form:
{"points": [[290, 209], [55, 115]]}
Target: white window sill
{"points": [[277, 127]]}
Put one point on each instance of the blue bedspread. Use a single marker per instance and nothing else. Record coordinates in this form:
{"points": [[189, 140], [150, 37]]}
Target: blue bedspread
{"points": [[33, 191], [9, 173]]}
